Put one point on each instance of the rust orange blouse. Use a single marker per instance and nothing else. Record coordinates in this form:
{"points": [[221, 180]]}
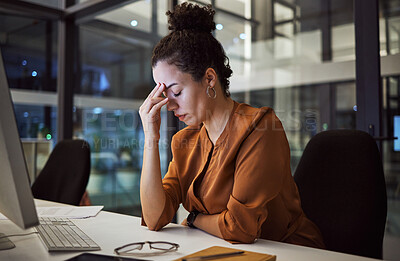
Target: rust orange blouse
{"points": [[245, 178]]}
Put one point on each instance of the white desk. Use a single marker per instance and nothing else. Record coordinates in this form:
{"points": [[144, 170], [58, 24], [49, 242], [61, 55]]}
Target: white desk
{"points": [[111, 230]]}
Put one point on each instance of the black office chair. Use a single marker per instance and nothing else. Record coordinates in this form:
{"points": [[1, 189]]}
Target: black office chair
{"points": [[342, 189], [65, 176]]}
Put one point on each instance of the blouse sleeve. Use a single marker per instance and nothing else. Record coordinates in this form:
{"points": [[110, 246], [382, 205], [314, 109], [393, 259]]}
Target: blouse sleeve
{"points": [[262, 161], [173, 197]]}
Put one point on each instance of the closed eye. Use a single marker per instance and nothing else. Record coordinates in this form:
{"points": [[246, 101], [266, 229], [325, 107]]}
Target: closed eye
{"points": [[177, 94]]}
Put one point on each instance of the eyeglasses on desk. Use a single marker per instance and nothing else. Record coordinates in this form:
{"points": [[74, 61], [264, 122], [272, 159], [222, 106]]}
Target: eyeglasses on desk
{"points": [[155, 248]]}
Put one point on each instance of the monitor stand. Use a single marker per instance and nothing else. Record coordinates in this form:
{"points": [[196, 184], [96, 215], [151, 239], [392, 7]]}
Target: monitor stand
{"points": [[5, 243]]}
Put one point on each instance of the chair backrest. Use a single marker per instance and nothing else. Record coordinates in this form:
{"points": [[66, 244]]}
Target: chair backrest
{"points": [[65, 176], [342, 189]]}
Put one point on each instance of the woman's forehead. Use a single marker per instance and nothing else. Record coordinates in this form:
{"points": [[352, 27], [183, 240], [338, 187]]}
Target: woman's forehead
{"points": [[168, 73]]}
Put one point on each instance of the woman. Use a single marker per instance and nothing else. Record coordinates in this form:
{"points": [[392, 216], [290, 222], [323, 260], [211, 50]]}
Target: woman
{"points": [[231, 165]]}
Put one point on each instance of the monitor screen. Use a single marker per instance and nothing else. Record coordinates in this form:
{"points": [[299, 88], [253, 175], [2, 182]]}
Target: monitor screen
{"points": [[396, 132], [16, 200]]}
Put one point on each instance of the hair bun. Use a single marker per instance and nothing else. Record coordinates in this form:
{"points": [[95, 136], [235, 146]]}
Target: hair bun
{"points": [[191, 17]]}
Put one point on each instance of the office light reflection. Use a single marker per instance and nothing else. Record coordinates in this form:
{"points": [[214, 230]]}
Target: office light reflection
{"points": [[134, 23], [97, 110]]}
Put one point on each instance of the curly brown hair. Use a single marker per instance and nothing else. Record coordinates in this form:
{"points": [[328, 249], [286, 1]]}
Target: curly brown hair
{"points": [[191, 46]]}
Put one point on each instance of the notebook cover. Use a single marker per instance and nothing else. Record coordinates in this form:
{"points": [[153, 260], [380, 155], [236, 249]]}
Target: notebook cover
{"points": [[247, 255]]}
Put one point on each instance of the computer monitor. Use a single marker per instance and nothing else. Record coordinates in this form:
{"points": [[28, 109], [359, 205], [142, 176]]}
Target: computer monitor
{"points": [[16, 200]]}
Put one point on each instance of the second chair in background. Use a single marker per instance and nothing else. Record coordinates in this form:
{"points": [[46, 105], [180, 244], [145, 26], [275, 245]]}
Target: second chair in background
{"points": [[65, 176], [343, 191]]}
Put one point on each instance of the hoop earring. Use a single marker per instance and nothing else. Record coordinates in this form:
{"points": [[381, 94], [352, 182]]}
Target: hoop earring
{"points": [[208, 92]]}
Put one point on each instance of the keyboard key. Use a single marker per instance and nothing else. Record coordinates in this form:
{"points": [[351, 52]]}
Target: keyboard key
{"points": [[61, 236], [46, 237], [52, 235]]}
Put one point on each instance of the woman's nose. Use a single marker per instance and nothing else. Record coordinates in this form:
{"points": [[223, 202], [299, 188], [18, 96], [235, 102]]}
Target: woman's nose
{"points": [[171, 105]]}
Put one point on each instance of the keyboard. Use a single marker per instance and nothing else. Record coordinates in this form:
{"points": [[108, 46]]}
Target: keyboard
{"points": [[61, 234]]}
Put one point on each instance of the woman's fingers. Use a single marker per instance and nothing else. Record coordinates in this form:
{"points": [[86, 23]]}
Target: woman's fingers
{"points": [[157, 107], [155, 100], [153, 105], [151, 102], [151, 94], [159, 91], [147, 101]]}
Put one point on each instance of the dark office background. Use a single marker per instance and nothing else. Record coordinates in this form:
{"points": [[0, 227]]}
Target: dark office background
{"points": [[104, 58]]}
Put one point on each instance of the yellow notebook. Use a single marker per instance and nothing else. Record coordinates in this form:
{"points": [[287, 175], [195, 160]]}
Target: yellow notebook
{"points": [[247, 255]]}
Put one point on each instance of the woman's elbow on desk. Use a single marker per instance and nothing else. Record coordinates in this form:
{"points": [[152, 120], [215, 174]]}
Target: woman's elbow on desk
{"points": [[153, 225], [153, 228]]}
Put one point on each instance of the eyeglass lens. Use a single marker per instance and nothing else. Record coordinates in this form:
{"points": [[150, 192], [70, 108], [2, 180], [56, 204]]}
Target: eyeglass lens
{"points": [[161, 245], [132, 247]]}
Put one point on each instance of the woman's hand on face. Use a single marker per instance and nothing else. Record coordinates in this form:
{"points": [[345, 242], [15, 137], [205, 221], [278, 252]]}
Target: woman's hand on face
{"points": [[150, 112]]}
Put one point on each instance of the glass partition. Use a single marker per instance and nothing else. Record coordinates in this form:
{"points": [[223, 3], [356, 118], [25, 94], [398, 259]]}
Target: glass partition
{"points": [[116, 76], [29, 52], [112, 65]]}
